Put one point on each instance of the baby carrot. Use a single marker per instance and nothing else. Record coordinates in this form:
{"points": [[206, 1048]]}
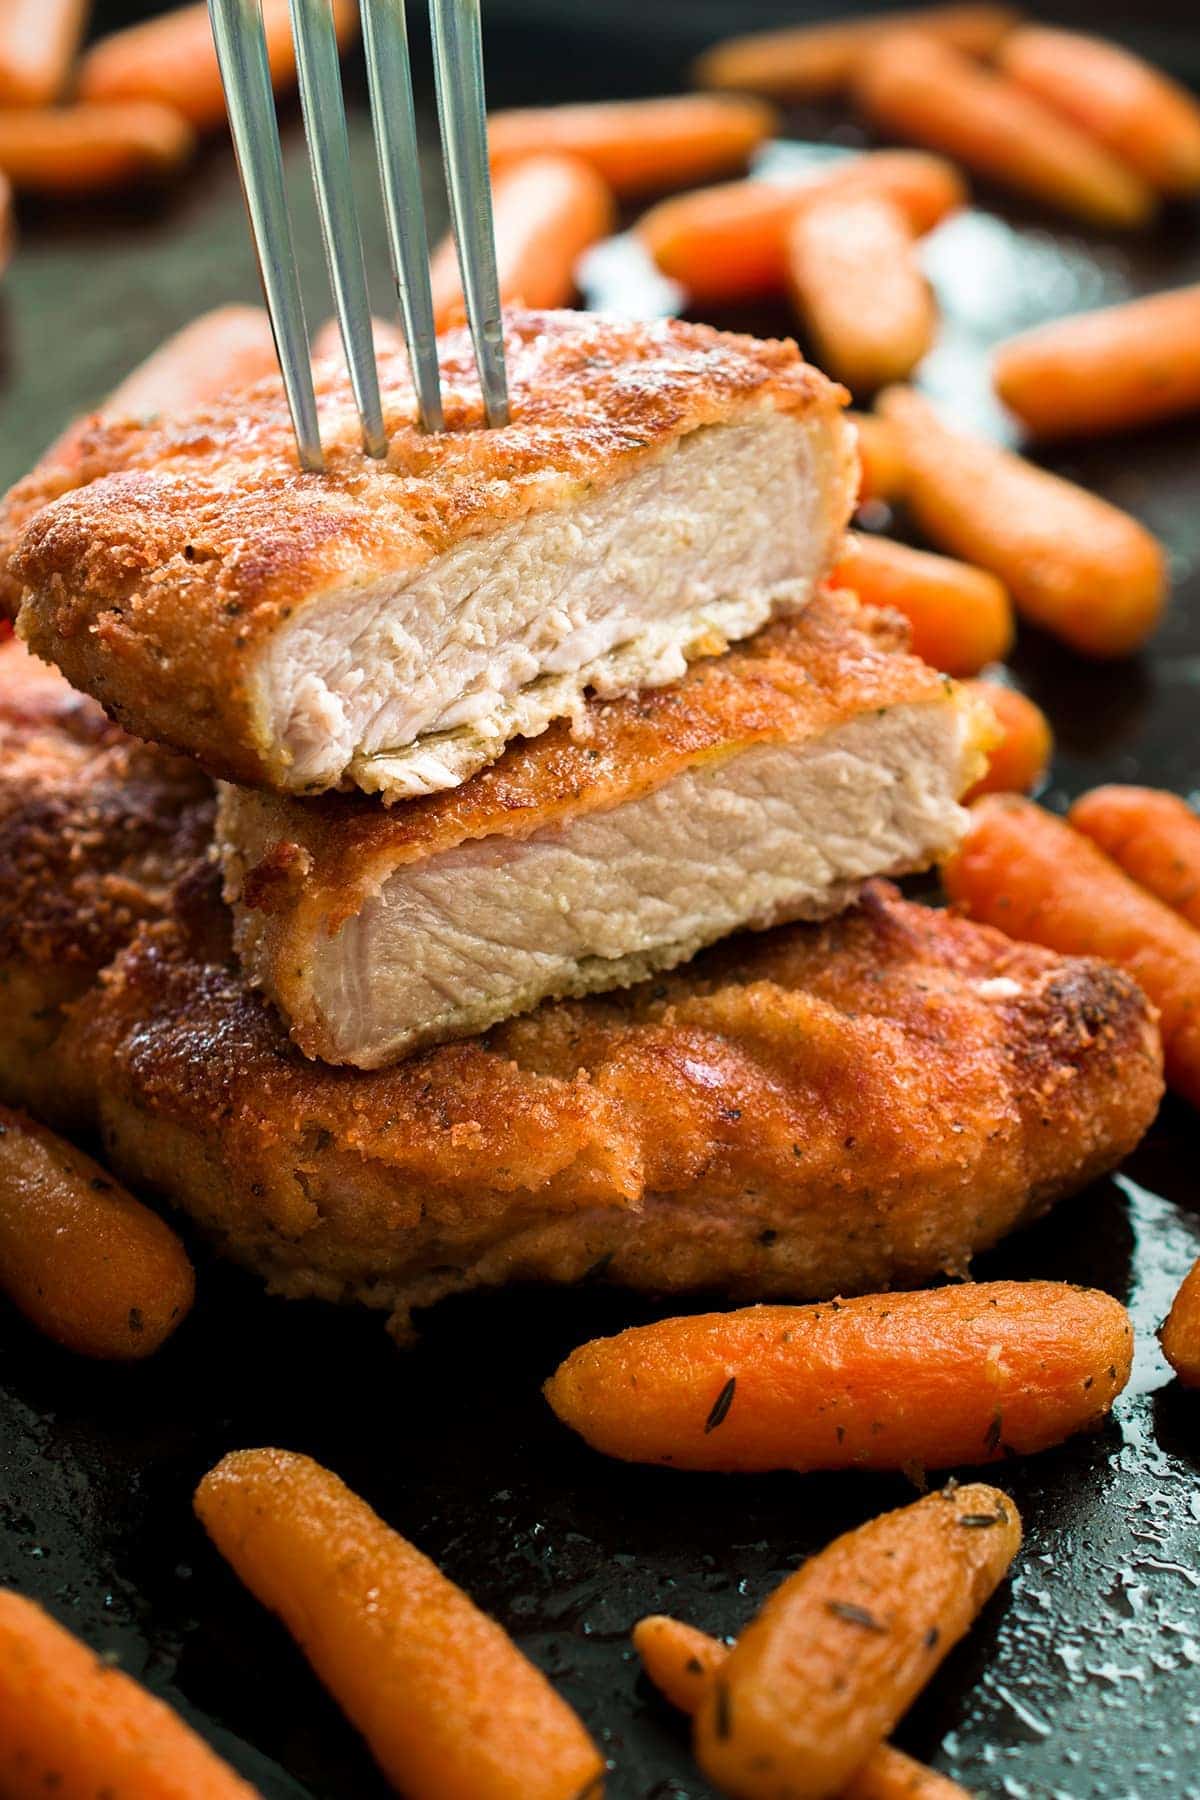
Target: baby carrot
{"points": [[229, 347], [1073, 564], [1018, 762], [931, 94], [638, 146], [840, 1650], [1180, 1332], [85, 1262], [171, 59], [1028, 873], [327, 339], [75, 1726], [548, 210], [960, 617], [881, 466], [730, 242], [1154, 836], [1106, 370], [858, 287], [447, 1703], [811, 62], [1137, 112], [38, 41], [930, 1379], [78, 149]]}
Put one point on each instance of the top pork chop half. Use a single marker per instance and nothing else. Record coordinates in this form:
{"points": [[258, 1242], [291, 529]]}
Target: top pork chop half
{"points": [[663, 489]]}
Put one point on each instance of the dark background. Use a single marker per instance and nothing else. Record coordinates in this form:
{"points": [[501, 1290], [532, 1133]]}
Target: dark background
{"points": [[1083, 1679]]}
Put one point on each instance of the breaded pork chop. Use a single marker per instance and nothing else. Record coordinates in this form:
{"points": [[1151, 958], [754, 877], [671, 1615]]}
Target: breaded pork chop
{"points": [[664, 489], [810, 1111], [765, 786]]}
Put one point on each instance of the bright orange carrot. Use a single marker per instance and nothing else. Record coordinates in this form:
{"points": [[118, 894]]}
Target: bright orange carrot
{"points": [[1074, 564], [929, 1379], [840, 1650], [638, 146], [1180, 1331], [447, 1703], [79, 149], [1027, 872], [38, 41], [171, 59], [730, 242], [327, 339], [83, 1260], [810, 62], [548, 210], [229, 347], [1136, 111], [927, 92], [74, 1726], [960, 617], [1154, 836], [1106, 370], [881, 465], [1019, 761], [858, 287]]}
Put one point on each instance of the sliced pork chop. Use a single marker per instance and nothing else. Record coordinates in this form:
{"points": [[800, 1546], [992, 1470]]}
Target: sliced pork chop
{"points": [[664, 489], [766, 785]]}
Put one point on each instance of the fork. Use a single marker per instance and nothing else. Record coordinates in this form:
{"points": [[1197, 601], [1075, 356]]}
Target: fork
{"points": [[458, 76]]}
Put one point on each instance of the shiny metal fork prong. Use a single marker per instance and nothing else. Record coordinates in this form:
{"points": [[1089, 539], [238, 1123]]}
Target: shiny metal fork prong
{"points": [[324, 110], [393, 116], [242, 54], [462, 113]]}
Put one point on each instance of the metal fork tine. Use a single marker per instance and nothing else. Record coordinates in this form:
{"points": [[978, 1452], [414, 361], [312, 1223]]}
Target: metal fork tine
{"points": [[329, 152], [389, 80], [458, 74], [242, 54]]}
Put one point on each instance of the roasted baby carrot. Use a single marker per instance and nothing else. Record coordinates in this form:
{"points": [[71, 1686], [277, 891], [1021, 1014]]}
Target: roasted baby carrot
{"points": [[810, 62], [881, 466], [1136, 111], [1106, 370], [840, 1650], [83, 1260], [1154, 836], [960, 617], [74, 1726], [226, 348], [548, 210], [1031, 875], [1019, 761], [927, 92], [172, 59], [38, 41], [447, 1703], [79, 149], [857, 285], [1180, 1332], [1073, 563], [638, 146], [730, 242], [327, 339], [925, 1379]]}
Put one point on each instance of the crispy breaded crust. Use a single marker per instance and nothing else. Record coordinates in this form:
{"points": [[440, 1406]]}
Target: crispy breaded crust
{"points": [[159, 564]]}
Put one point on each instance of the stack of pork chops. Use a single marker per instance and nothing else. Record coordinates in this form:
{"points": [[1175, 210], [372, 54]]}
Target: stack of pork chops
{"points": [[517, 717]]}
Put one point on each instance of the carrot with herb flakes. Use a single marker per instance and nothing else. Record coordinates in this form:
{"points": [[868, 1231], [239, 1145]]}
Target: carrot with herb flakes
{"points": [[638, 146], [1018, 763], [1108, 370], [840, 1650], [881, 466], [857, 285], [86, 1263], [448, 1705], [1154, 836], [730, 242], [38, 41], [961, 617], [81, 149], [1134, 110], [548, 210], [928, 93], [73, 1725], [1074, 564], [1179, 1333], [886, 1381], [1028, 873]]}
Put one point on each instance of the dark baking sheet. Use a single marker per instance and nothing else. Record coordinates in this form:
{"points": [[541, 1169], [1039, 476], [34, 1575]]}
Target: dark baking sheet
{"points": [[1083, 1678]]}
